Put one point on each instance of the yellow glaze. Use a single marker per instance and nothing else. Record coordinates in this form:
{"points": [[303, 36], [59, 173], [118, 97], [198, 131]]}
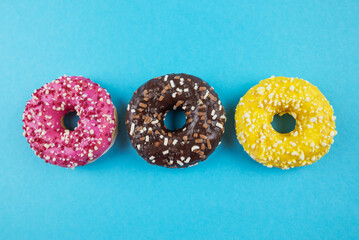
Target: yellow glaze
{"points": [[313, 133]]}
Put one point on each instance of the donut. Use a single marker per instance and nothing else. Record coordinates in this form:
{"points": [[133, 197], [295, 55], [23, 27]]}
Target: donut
{"points": [[184, 147], [315, 123], [48, 137]]}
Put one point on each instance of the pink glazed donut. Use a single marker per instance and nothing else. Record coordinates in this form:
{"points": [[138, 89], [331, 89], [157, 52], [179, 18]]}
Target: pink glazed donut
{"points": [[48, 137]]}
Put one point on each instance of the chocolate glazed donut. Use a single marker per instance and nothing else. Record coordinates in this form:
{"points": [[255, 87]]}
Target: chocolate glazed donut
{"points": [[195, 141]]}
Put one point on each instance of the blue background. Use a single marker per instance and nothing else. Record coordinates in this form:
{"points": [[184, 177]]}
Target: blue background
{"points": [[230, 44]]}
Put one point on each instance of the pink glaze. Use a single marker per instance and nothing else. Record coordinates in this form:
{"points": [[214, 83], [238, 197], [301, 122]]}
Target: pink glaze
{"points": [[96, 128]]}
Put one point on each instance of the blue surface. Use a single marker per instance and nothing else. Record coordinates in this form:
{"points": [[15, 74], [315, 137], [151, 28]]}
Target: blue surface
{"points": [[230, 44]]}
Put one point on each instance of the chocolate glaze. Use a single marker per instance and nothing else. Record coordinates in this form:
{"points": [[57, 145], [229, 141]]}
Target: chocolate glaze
{"points": [[195, 141]]}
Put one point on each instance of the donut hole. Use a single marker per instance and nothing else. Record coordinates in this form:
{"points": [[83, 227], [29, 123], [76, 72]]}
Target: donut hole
{"points": [[70, 120], [175, 119], [283, 124]]}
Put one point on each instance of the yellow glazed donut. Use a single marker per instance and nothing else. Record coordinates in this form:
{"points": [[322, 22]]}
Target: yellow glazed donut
{"points": [[313, 133]]}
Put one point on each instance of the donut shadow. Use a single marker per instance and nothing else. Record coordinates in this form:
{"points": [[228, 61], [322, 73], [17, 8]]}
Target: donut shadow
{"points": [[122, 139], [229, 136]]}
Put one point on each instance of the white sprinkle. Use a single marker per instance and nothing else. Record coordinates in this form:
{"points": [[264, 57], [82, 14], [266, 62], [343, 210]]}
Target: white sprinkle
{"points": [[187, 160], [219, 125], [165, 141], [172, 84], [194, 148], [92, 131], [302, 157], [246, 115], [313, 119], [214, 117], [132, 128], [307, 99], [332, 133], [324, 144], [185, 90], [138, 146], [309, 126], [293, 144], [295, 133], [179, 163], [195, 86], [108, 101], [334, 117], [47, 157], [147, 138], [294, 153], [312, 144], [291, 88], [213, 112], [152, 157], [206, 95], [260, 90], [166, 77], [90, 154], [174, 142], [165, 152]]}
